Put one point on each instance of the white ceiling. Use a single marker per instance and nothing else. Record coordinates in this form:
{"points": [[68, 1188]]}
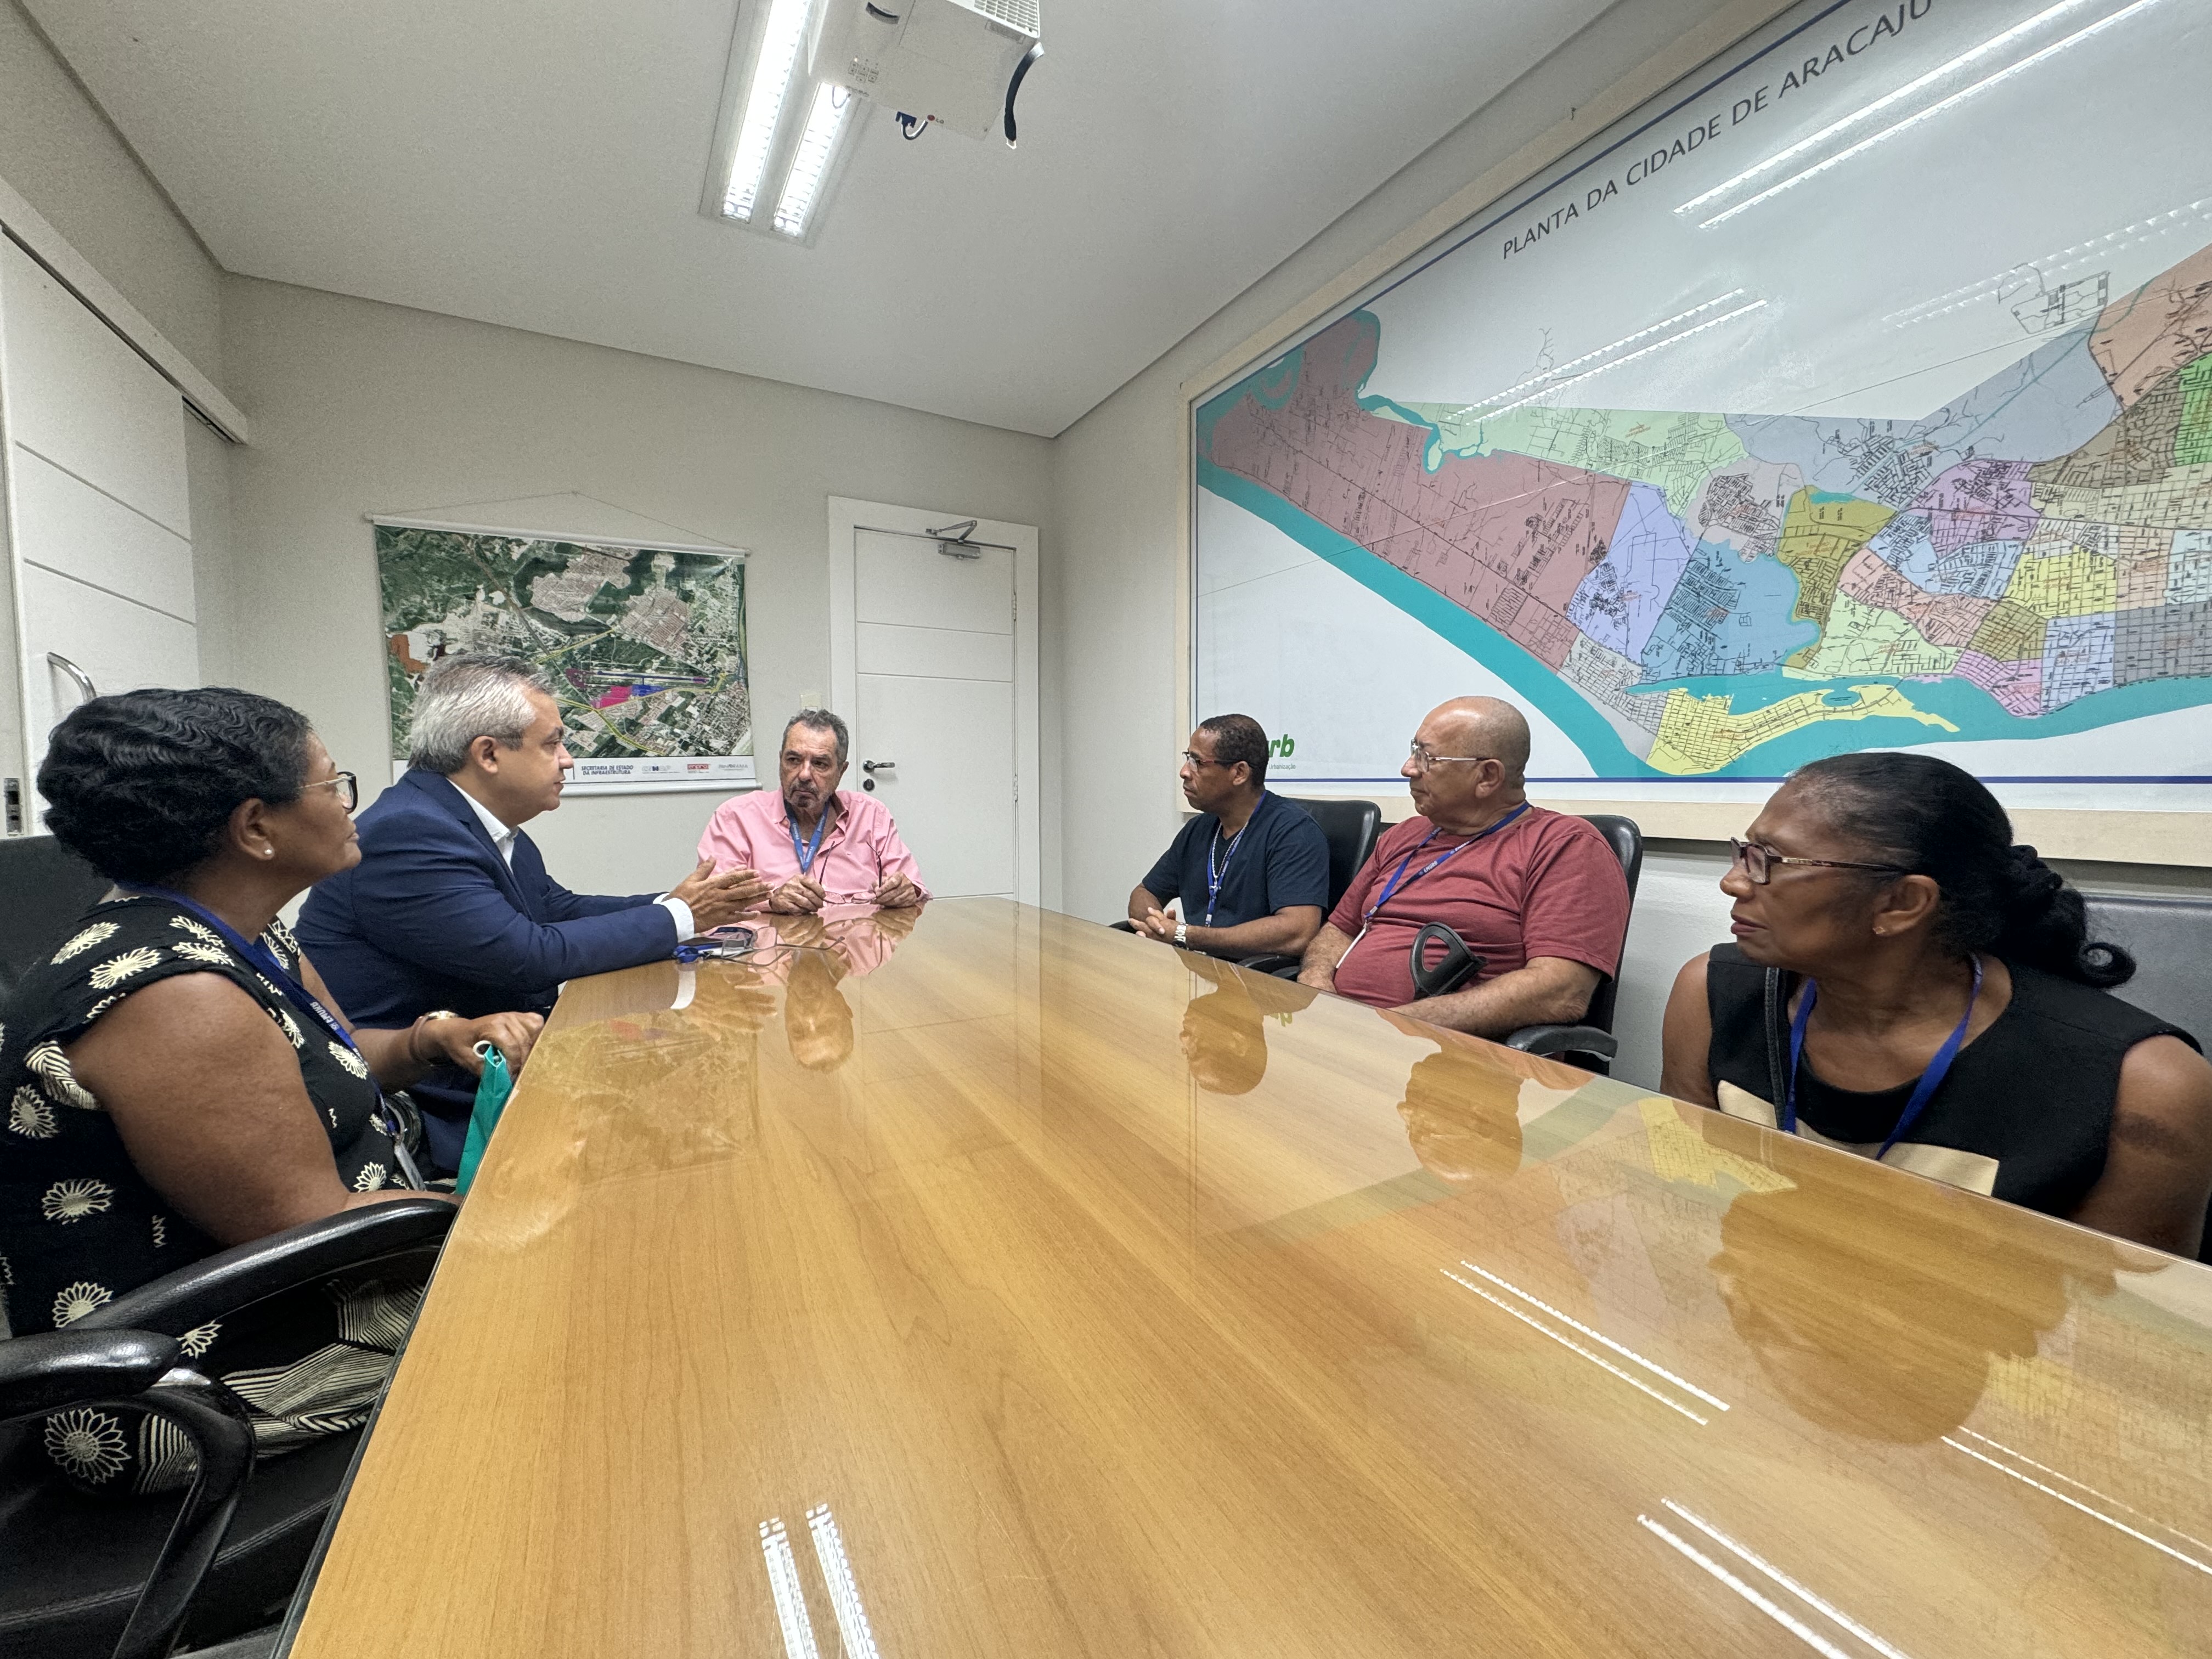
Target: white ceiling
{"points": [[540, 166]]}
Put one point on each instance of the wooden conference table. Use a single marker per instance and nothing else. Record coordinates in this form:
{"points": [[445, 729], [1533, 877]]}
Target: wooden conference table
{"points": [[992, 1283]]}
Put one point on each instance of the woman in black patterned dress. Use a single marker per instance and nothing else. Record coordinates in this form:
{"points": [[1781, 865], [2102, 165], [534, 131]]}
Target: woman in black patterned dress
{"points": [[176, 1079]]}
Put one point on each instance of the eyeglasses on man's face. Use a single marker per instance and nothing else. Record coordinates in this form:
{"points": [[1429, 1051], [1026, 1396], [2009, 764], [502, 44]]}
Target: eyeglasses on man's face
{"points": [[1757, 862], [347, 785], [1198, 762], [1422, 758]]}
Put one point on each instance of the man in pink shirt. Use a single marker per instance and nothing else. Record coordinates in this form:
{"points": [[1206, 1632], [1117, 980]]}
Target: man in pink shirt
{"points": [[812, 843]]}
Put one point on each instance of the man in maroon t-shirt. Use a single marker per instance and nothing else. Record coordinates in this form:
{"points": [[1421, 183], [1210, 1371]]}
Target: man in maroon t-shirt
{"points": [[1538, 895]]}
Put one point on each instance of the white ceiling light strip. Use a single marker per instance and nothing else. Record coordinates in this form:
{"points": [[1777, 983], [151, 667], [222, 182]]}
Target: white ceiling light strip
{"points": [[844, 1592], [811, 162], [1781, 1616], [1550, 377], [1617, 363], [1931, 111], [2094, 1514], [790, 1599], [771, 84], [1787, 1582], [1996, 43], [1568, 1342], [1596, 1336]]}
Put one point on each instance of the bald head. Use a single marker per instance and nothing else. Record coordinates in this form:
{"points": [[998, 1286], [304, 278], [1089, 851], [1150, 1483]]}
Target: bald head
{"points": [[1485, 725]]}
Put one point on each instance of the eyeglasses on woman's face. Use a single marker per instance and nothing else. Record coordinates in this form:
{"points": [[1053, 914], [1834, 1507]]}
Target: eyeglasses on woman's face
{"points": [[347, 785], [1757, 861]]}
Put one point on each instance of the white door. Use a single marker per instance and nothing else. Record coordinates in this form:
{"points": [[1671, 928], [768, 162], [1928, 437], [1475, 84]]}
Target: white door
{"points": [[934, 728]]}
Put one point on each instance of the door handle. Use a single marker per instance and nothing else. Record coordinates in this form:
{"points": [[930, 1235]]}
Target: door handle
{"points": [[55, 659], [865, 765]]}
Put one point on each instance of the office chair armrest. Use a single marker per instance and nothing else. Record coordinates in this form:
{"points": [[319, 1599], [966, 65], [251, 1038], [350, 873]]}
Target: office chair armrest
{"points": [[1271, 962], [1564, 1040], [220, 1285], [45, 1370]]}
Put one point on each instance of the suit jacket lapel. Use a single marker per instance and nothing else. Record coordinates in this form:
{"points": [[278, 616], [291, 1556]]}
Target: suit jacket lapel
{"points": [[449, 796]]}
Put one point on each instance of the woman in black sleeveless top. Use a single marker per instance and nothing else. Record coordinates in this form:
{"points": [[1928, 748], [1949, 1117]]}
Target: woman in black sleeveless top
{"points": [[1907, 983], [176, 1079]]}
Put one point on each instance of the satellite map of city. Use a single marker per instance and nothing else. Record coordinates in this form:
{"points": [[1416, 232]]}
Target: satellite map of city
{"points": [[646, 647], [1712, 595]]}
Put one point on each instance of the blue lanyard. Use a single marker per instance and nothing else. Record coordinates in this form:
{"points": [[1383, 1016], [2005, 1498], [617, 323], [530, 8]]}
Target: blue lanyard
{"points": [[308, 1003], [262, 958], [1400, 879], [1213, 879], [805, 854], [1923, 1092]]}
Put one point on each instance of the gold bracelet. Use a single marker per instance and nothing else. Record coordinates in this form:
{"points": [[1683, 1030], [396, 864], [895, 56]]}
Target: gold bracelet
{"points": [[415, 1033]]}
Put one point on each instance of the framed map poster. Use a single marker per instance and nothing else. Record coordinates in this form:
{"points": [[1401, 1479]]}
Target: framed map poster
{"points": [[1855, 392], [645, 645]]}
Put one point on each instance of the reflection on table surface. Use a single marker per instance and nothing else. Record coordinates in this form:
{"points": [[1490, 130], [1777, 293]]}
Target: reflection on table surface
{"points": [[1041, 1290]]}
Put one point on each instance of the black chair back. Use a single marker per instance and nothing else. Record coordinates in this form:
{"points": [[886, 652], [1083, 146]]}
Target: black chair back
{"points": [[1350, 828], [44, 887], [2170, 939], [1626, 840]]}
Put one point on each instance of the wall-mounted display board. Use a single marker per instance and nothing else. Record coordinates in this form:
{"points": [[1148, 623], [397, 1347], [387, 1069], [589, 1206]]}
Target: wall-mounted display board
{"points": [[645, 645], [1856, 393]]}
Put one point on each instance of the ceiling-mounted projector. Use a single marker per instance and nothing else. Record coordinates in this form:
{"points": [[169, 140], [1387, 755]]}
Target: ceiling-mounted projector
{"points": [[959, 62]]}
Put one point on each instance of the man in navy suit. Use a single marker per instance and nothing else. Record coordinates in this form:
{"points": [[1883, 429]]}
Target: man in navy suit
{"points": [[450, 912]]}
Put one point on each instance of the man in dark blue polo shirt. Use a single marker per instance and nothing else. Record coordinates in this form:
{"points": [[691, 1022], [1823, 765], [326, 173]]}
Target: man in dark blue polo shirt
{"points": [[1251, 869]]}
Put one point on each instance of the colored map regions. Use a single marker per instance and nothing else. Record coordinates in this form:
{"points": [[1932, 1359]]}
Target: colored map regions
{"points": [[1707, 585], [1677, 452], [645, 648], [1698, 735]]}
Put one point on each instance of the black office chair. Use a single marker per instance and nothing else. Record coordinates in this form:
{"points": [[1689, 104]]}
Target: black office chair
{"points": [[1350, 828], [44, 887], [90, 1576], [1589, 1043], [2171, 939]]}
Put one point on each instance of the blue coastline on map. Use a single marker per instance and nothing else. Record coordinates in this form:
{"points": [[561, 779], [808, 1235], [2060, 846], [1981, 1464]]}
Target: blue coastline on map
{"points": [[1977, 715], [1710, 623]]}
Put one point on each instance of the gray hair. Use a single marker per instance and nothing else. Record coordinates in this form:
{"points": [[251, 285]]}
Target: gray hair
{"points": [[819, 720], [478, 694]]}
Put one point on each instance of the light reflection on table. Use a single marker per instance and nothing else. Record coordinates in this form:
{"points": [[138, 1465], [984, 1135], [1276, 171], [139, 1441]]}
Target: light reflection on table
{"points": [[992, 1283]]}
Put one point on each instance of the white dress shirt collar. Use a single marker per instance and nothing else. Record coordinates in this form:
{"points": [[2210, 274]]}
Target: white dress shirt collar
{"points": [[502, 837]]}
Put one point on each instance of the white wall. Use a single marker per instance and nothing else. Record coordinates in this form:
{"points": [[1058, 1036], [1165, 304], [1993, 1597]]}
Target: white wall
{"points": [[364, 408], [58, 151]]}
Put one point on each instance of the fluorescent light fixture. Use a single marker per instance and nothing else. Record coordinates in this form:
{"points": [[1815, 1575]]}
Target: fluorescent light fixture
{"points": [[771, 82], [1996, 43], [790, 1600], [2076, 1502], [844, 1594], [782, 137], [2052, 265], [817, 145], [1914, 120], [1788, 1622], [1602, 1364], [1558, 380], [1573, 1323], [1837, 1614]]}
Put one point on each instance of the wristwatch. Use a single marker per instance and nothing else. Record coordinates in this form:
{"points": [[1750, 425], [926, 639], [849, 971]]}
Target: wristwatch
{"points": [[1183, 934]]}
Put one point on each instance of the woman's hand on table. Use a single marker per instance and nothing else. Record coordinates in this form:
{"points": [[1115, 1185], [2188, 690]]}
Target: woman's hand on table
{"points": [[455, 1040]]}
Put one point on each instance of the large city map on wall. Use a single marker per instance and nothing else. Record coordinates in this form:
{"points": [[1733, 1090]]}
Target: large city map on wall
{"points": [[2016, 571], [645, 647]]}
